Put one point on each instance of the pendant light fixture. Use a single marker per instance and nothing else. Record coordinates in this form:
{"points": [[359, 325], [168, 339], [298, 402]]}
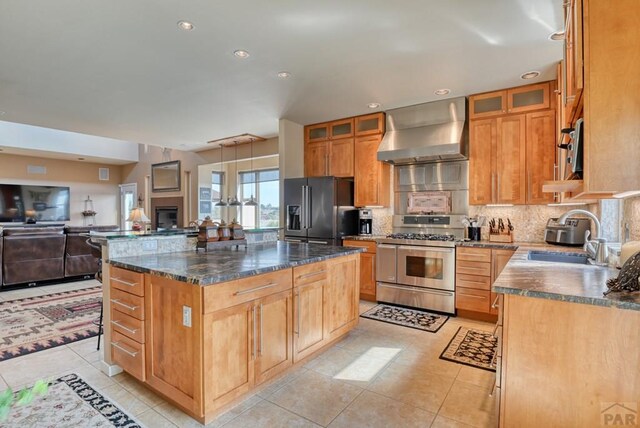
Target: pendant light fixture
{"points": [[252, 202], [234, 201], [221, 202]]}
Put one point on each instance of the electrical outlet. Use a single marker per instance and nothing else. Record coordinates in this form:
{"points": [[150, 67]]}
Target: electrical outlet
{"points": [[149, 245], [186, 316]]}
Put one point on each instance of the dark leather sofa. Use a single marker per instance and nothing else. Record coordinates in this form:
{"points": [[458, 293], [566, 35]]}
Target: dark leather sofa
{"points": [[32, 255]]}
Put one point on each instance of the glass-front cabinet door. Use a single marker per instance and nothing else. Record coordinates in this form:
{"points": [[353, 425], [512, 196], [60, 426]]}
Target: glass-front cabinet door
{"points": [[528, 98], [341, 129], [319, 132], [489, 104], [370, 124]]}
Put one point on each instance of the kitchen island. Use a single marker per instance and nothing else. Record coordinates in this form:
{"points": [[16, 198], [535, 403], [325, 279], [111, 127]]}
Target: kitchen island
{"points": [[567, 355], [204, 329]]}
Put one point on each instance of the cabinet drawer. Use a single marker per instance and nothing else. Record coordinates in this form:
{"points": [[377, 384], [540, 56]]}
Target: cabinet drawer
{"points": [[127, 280], [310, 273], [127, 325], [474, 254], [472, 300], [127, 303], [227, 294], [473, 268], [128, 354], [473, 281], [369, 245]]}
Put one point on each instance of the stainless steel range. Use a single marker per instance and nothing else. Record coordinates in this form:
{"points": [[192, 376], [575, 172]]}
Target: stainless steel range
{"points": [[417, 270]]}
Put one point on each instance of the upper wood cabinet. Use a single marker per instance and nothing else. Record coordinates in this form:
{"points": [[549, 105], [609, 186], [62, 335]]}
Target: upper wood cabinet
{"points": [[318, 132], [371, 177], [483, 135], [341, 129], [489, 104], [510, 160], [541, 155], [370, 124], [316, 159], [341, 158], [515, 100]]}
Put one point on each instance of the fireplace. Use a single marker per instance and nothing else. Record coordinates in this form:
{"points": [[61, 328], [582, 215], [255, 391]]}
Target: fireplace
{"points": [[166, 213]]}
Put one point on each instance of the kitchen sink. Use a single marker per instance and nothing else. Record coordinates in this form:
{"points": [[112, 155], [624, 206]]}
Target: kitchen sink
{"points": [[545, 256]]}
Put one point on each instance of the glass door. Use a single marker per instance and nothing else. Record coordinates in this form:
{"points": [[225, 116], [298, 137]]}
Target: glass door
{"points": [[127, 203], [426, 267]]}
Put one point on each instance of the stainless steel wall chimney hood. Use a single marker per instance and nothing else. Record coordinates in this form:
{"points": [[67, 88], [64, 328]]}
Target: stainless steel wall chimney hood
{"points": [[430, 132]]}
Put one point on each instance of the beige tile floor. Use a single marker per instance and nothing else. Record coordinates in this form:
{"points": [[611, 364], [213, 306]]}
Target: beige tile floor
{"points": [[380, 375]]}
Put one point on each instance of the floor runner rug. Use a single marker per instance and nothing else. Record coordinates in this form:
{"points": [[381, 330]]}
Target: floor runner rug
{"points": [[413, 318], [473, 348], [38, 323]]}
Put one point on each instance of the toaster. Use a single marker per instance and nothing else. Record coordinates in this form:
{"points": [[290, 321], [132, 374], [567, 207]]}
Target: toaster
{"points": [[570, 233]]}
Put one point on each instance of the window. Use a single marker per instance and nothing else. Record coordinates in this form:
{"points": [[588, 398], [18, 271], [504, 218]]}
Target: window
{"points": [[217, 180], [264, 186]]}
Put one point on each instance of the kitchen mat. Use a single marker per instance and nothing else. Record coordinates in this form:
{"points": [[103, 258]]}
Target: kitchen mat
{"points": [[413, 318], [70, 402], [43, 322], [473, 348]]}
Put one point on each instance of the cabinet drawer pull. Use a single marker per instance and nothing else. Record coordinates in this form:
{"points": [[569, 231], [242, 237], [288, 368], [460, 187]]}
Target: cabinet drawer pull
{"points": [[124, 305], [126, 351], [122, 281], [251, 290], [298, 317], [494, 305], [473, 295], [125, 328], [253, 348], [260, 342], [307, 275]]}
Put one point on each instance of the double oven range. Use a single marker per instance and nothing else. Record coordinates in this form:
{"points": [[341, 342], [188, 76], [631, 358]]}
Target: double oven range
{"points": [[415, 266]]}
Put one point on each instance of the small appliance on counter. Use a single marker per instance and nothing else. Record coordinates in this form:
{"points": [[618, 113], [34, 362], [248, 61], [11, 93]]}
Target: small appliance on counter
{"points": [[571, 233], [365, 221]]}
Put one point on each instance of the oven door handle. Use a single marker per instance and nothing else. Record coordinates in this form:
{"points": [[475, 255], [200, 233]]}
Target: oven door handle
{"points": [[406, 248], [421, 290]]}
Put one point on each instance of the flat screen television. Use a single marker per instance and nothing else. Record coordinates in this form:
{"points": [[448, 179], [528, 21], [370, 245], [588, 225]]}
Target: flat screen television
{"points": [[23, 203]]}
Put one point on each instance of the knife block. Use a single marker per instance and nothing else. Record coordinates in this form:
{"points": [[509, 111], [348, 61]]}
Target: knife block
{"points": [[501, 237]]}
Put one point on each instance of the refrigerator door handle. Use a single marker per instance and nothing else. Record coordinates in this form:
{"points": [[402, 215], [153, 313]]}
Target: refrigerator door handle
{"points": [[308, 208], [303, 208]]}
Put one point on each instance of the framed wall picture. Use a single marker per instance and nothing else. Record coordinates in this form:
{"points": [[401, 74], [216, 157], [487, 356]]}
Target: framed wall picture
{"points": [[205, 194], [205, 207], [165, 177]]}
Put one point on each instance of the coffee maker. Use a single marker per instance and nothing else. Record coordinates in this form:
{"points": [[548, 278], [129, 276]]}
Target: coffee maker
{"points": [[365, 222]]}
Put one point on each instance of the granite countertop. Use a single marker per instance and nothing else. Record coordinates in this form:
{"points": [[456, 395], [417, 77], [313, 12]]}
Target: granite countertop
{"points": [[132, 234], [229, 263], [561, 281], [372, 238]]}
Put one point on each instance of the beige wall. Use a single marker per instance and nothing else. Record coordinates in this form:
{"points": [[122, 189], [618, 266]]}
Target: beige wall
{"points": [[189, 161], [81, 177]]}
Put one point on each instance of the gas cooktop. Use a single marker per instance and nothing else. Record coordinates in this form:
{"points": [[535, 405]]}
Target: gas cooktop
{"points": [[424, 239]]}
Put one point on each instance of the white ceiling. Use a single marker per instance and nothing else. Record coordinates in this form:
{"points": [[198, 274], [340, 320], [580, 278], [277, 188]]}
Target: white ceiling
{"points": [[123, 69]]}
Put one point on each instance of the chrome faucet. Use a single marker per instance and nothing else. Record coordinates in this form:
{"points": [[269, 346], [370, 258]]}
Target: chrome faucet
{"points": [[595, 248]]}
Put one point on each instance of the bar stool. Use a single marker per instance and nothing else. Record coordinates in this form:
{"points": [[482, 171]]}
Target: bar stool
{"points": [[96, 251]]}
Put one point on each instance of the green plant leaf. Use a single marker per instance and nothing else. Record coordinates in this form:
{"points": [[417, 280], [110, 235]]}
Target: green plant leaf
{"points": [[6, 398], [4, 411], [24, 397], [41, 387]]}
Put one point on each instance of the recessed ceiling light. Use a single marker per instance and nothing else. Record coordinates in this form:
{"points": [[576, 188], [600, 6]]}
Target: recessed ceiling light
{"points": [[557, 35], [241, 54], [185, 25], [284, 74], [373, 105], [80, 158], [442, 91], [530, 75]]}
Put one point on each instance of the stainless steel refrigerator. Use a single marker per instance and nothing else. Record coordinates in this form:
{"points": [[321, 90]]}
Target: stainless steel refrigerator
{"points": [[319, 210]]}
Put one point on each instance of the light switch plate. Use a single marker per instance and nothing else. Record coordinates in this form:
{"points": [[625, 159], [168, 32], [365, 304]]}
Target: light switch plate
{"points": [[186, 316], [149, 245]]}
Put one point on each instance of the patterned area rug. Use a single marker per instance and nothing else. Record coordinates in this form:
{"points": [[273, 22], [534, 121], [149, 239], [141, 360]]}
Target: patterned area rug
{"points": [[414, 318], [43, 322], [70, 402], [473, 348]]}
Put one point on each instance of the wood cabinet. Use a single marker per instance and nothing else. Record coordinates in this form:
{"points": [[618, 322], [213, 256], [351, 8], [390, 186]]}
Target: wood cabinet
{"points": [[367, 268], [309, 284], [476, 271], [205, 348], [371, 177], [511, 157], [317, 158], [348, 148], [520, 99], [342, 296], [590, 369], [342, 158]]}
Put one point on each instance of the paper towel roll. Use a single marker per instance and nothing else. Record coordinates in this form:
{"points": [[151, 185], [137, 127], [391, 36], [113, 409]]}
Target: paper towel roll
{"points": [[628, 250]]}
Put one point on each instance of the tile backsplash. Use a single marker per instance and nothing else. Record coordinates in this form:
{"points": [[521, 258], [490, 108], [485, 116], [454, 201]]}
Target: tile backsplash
{"points": [[631, 216], [528, 221]]}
